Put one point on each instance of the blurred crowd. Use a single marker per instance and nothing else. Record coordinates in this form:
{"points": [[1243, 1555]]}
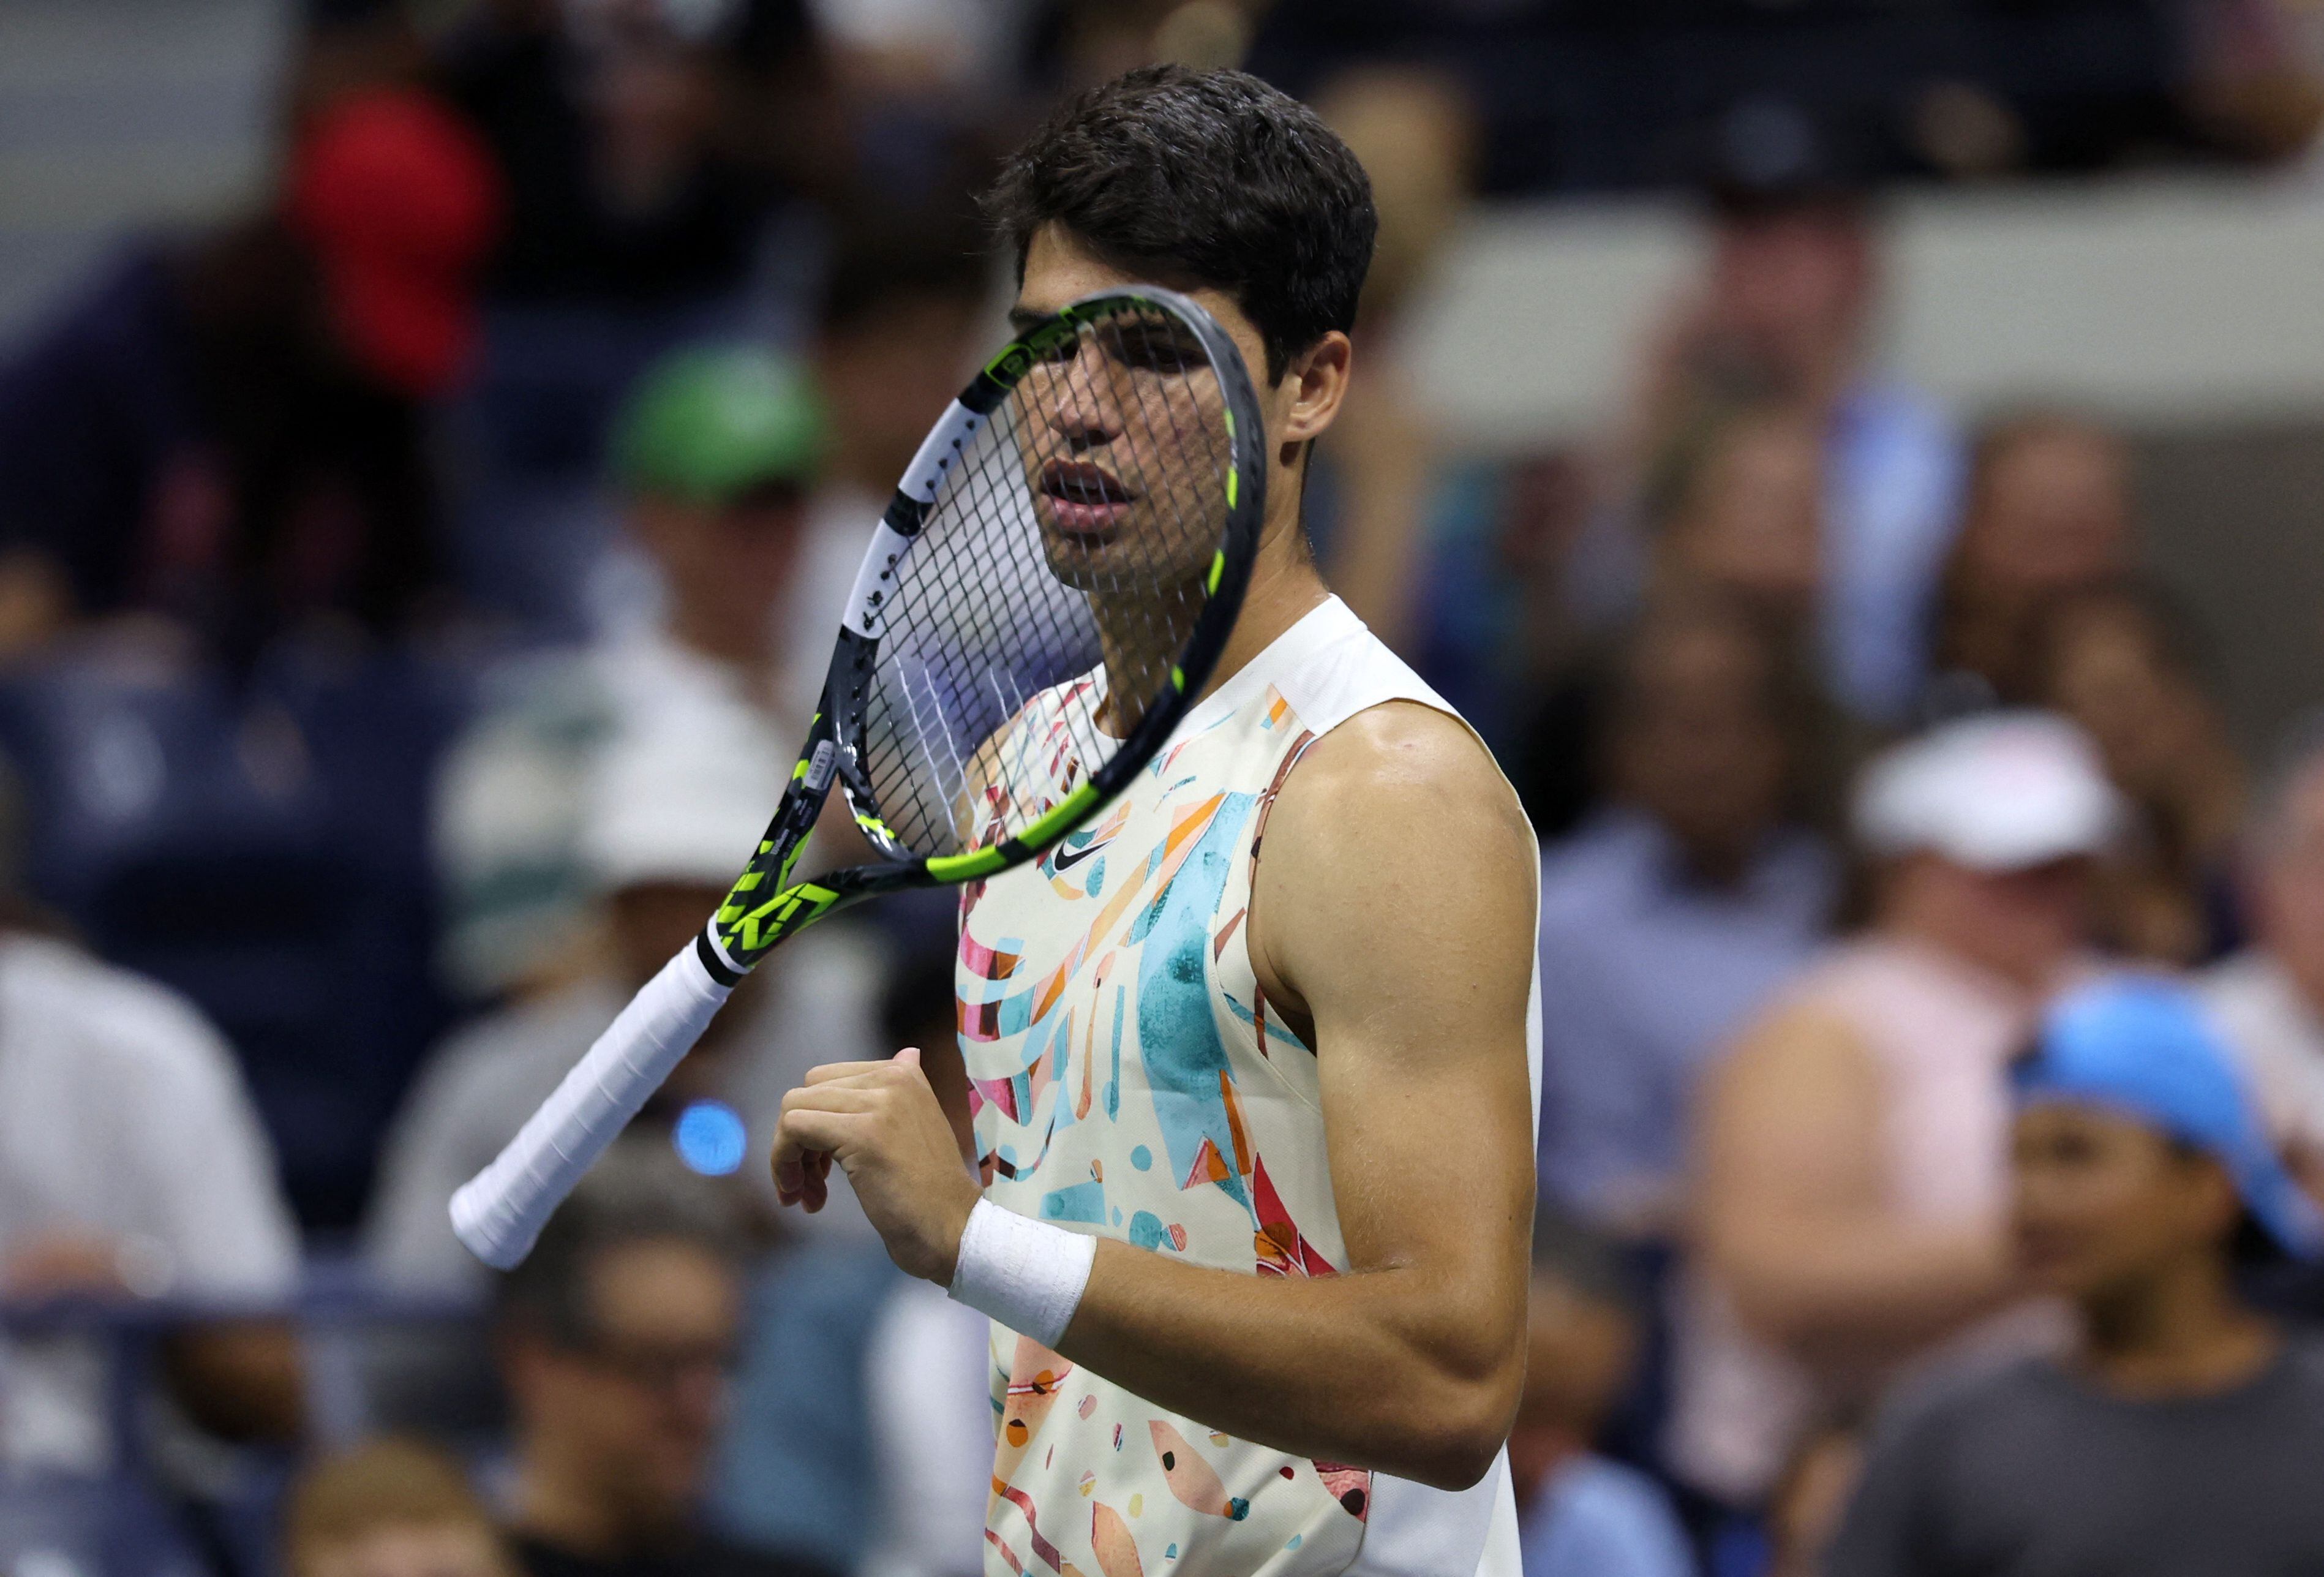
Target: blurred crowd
{"points": [[411, 588]]}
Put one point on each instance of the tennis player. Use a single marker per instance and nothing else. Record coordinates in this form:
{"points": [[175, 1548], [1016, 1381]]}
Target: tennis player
{"points": [[1253, 1136]]}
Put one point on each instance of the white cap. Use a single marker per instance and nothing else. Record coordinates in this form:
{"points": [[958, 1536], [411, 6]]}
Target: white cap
{"points": [[2000, 792], [682, 796]]}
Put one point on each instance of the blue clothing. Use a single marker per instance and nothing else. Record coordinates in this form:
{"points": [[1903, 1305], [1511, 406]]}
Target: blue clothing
{"points": [[1893, 476], [1645, 974], [794, 1473], [1593, 1517]]}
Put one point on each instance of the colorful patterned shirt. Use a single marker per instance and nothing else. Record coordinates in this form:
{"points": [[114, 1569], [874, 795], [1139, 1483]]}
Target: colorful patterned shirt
{"points": [[1128, 1080]]}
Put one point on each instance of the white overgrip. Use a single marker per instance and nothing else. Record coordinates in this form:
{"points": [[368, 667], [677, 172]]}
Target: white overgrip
{"points": [[499, 1210]]}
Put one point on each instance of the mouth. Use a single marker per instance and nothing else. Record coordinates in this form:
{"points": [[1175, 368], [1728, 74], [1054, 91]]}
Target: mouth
{"points": [[1084, 499]]}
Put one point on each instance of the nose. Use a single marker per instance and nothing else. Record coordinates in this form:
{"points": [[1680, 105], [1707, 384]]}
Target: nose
{"points": [[1083, 408]]}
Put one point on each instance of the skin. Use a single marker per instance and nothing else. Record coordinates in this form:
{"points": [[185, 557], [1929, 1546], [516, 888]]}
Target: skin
{"points": [[614, 1437], [2289, 885], [1791, 1197], [1411, 1362], [1697, 748], [1754, 523], [2049, 510], [2166, 747], [449, 1549], [2134, 1231]]}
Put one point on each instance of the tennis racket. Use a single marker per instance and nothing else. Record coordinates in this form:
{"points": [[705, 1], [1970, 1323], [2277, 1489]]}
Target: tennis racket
{"points": [[1044, 599]]}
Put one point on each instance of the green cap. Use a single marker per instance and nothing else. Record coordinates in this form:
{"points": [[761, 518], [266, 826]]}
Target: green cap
{"points": [[709, 424]]}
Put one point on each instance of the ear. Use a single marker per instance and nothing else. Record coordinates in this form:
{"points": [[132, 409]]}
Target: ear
{"points": [[1313, 387]]}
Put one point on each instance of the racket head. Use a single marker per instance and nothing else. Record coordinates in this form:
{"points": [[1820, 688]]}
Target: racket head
{"points": [[1071, 578], [1046, 596]]}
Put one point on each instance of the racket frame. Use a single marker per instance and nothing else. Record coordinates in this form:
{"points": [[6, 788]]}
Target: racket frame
{"points": [[765, 906]]}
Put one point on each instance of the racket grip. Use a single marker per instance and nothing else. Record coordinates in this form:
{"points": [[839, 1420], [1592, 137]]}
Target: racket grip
{"points": [[499, 1210]]}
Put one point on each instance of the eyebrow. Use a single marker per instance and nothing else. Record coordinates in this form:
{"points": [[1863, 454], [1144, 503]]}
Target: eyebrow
{"points": [[1024, 318]]}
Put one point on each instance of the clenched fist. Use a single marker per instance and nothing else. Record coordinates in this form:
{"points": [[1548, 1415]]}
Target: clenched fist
{"points": [[885, 1126]]}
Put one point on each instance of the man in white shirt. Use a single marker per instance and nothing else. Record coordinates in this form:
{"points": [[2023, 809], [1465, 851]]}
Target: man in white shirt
{"points": [[131, 1165]]}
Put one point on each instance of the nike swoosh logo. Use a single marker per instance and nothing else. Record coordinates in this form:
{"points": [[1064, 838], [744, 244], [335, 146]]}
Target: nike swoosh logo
{"points": [[1067, 859]]}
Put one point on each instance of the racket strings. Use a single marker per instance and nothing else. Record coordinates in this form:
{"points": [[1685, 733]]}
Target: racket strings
{"points": [[1053, 588]]}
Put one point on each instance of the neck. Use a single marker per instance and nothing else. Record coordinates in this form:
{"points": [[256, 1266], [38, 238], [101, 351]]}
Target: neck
{"points": [[2179, 1332], [1284, 588], [559, 1502]]}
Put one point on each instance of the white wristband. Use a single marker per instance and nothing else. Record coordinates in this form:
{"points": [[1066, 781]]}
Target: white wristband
{"points": [[1026, 1274]]}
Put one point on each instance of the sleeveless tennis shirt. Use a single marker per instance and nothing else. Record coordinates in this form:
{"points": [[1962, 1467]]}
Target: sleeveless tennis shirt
{"points": [[1128, 1080]]}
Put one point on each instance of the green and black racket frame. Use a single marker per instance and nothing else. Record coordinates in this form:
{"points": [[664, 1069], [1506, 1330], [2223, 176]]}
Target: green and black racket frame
{"points": [[1131, 411]]}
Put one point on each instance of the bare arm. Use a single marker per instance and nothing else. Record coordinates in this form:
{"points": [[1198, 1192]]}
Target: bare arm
{"points": [[1394, 918], [242, 1379], [1790, 1203]]}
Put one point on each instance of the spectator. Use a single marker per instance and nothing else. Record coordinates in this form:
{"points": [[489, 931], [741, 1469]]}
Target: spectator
{"points": [[896, 334], [2182, 1431], [615, 1338], [1742, 510], [715, 456], [2126, 661], [389, 1508], [1849, 1183], [1782, 315], [1580, 1514], [131, 1166], [1810, 1497], [2049, 510], [2270, 999], [230, 432], [1669, 916], [677, 804], [1734, 509]]}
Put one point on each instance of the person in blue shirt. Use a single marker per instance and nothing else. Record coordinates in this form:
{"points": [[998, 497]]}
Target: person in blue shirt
{"points": [[1671, 914]]}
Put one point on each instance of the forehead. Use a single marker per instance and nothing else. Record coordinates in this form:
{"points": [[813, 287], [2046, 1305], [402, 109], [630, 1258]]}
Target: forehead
{"points": [[1059, 269]]}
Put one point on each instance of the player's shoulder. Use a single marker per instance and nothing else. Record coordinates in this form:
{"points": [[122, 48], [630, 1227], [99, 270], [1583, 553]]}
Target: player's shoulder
{"points": [[1401, 741], [1399, 759]]}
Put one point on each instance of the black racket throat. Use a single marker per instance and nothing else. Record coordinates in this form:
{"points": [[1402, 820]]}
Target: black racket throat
{"points": [[1074, 540]]}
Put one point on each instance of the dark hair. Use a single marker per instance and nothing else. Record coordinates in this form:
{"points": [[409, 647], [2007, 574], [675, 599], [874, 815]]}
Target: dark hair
{"points": [[1206, 178], [639, 1193], [876, 263]]}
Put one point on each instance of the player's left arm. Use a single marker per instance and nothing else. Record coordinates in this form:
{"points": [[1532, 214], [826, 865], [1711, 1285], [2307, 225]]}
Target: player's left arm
{"points": [[1394, 914]]}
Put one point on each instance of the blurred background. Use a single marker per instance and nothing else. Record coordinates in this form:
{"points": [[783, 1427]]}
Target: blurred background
{"points": [[433, 437]]}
